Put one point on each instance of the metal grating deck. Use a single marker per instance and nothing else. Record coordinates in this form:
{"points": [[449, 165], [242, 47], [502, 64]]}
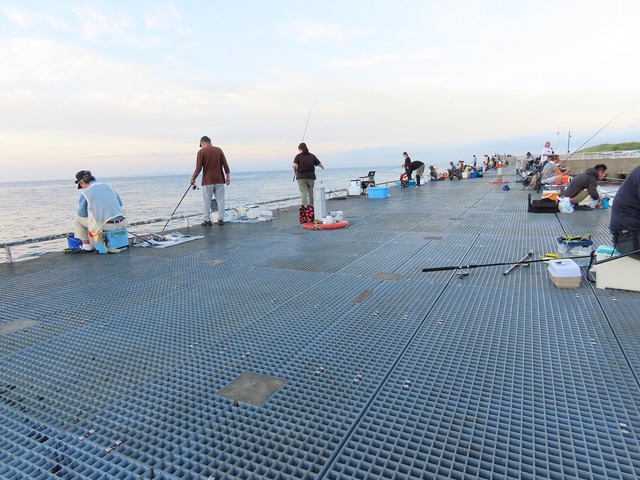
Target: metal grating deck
{"points": [[390, 372]]}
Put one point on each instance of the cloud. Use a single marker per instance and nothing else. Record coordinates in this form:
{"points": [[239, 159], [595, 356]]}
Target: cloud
{"points": [[399, 59], [19, 17], [26, 18], [307, 30]]}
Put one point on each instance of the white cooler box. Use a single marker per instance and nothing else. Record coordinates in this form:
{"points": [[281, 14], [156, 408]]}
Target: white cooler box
{"points": [[621, 274], [564, 273]]}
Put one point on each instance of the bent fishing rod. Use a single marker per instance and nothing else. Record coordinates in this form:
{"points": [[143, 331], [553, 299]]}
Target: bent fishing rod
{"points": [[605, 126]]}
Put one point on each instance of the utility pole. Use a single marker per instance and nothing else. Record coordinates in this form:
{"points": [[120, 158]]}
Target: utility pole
{"points": [[568, 141]]}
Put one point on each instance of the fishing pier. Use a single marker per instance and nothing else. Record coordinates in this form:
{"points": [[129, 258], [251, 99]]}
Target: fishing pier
{"points": [[268, 351]]}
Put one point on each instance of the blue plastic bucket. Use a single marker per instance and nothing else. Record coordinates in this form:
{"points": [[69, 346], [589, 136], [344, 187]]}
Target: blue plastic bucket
{"points": [[74, 242]]}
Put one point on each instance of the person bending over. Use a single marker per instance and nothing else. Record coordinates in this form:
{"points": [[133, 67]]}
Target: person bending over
{"points": [[415, 166], [99, 209], [586, 184]]}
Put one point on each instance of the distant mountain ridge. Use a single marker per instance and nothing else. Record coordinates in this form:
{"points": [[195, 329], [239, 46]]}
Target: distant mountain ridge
{"points": [[612, 147]]}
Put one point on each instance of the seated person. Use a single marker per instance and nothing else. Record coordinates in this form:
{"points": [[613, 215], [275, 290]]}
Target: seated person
{"points": [[99, 209], [528, 161], [586, 184], [452, 170], [433, 173], [551, 172], [625, 215]]}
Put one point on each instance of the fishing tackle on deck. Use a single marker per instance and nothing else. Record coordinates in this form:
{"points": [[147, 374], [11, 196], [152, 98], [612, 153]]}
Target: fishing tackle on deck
{"points": [[527, 256]]}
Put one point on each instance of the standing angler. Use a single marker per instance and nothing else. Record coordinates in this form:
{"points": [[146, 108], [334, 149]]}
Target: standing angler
{"points": [[304, 166], [212, 162]]}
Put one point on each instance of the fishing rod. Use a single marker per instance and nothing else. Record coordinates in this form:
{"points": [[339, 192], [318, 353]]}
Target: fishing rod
{"points": [[308, 118], [304, 134], [528, 262], [497, 264], [605, 126], [193, 187]]}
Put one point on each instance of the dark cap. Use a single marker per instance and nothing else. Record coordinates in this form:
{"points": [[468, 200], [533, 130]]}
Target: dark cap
{"points": [[82, 175], [205, 139]]}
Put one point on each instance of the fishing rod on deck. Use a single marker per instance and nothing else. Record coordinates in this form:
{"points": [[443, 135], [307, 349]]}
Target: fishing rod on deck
{"points": [[525, 262]]}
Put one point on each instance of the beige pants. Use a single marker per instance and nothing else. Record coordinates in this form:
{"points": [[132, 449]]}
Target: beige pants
{"points": [[306, 191], [82, 225]]}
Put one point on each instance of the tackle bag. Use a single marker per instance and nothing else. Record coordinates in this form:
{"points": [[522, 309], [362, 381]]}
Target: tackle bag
{"points": [[306, 214], [544, 205]]}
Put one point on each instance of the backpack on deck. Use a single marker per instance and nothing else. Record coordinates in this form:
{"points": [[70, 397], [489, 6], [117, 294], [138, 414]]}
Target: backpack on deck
{"points": [[306, 214]]}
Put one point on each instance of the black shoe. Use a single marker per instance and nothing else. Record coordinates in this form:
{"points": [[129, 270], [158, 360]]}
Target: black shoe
{"points": [[79, 250], [220, 222], [206, 223], [582, 207]]}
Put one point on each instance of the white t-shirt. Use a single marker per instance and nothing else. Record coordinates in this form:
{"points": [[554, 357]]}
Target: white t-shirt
{"points": [[544, 156]]}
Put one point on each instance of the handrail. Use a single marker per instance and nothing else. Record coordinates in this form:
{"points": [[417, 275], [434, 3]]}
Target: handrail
{"points": [[7, 245]]}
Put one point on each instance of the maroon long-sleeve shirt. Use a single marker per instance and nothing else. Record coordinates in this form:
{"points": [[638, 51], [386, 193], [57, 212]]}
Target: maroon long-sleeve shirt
{"points": [[212, 162]]}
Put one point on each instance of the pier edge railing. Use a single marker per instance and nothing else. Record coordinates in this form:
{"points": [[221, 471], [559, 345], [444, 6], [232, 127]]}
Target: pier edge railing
{"points": [[279, 203]]}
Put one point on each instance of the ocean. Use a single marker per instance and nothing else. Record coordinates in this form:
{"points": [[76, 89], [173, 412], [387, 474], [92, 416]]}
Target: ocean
{"points": [[45, 208]]}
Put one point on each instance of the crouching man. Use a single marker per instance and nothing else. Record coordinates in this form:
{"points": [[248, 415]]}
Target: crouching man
{"points": [[99, 209], [586, 185]]}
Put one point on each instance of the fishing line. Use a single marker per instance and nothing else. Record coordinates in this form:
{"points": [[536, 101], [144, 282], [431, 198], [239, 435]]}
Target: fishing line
{"points": [[308, 118], [304, 134], [605, 126]]}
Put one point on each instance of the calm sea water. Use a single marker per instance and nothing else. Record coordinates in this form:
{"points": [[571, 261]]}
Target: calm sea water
{"points": [[40, 209]]}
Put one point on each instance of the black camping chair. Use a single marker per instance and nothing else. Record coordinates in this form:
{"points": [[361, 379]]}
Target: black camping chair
{"points": [[369, 180]]}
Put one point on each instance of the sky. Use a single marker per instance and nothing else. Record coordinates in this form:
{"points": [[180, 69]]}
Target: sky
{"points": [[127, 88]]}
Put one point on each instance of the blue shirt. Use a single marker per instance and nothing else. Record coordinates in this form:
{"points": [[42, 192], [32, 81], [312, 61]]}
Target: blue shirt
{"points": [[83, 207]]}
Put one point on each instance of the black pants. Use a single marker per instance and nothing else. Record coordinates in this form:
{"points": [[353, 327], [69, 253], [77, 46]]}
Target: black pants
{"points": [[626, 242]]}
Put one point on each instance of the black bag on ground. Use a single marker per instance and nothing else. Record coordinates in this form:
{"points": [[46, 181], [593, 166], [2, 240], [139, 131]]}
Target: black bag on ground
{"points": [[544, 205]]}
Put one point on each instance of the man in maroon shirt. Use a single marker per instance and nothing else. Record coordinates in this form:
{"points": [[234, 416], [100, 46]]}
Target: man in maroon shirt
{"points": [[212, 162]]}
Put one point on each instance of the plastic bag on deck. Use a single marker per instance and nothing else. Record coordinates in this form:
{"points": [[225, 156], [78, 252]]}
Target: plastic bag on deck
{"points": [[564, 205]]}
